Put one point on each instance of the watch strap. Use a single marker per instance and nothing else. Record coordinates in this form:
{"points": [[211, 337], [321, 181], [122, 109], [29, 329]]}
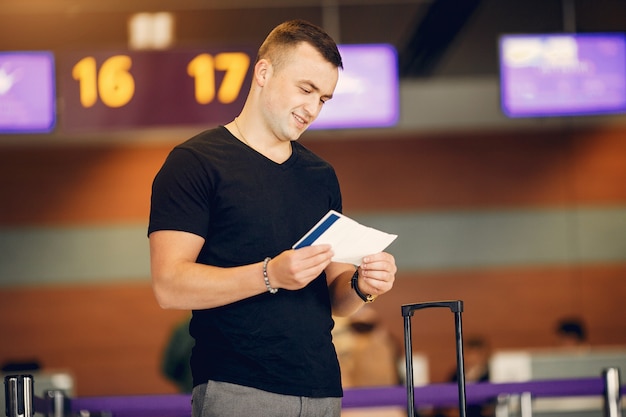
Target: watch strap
{"points": [[354, 283]]}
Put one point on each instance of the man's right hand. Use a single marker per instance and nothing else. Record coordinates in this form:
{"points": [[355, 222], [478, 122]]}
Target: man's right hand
{"points": [[295, 268]]}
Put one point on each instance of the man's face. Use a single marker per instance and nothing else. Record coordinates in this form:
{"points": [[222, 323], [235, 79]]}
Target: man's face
{"points": [[296, 91]]}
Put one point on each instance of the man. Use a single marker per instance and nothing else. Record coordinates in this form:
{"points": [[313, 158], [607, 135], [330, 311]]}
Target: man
{"points": [[227, 206]]}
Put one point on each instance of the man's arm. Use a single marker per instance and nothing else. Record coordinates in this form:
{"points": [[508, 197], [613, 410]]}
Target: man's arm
{"points": [[179, 282], [376, 276]]}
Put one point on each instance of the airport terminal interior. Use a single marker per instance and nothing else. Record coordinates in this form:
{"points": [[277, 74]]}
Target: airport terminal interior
{"points": [[488, 135]]}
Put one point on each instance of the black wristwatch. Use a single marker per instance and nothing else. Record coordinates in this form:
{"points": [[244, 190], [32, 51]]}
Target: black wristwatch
{"points": [[368, 298]]}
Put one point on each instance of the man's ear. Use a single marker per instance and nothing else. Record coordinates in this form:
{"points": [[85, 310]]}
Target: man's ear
{"points": [[262, 70]]}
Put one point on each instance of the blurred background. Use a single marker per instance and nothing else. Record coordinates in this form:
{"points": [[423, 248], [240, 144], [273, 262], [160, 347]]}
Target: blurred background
{"points": [[522, 219]]}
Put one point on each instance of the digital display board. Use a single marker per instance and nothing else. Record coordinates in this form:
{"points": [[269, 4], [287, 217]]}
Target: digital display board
{"points": [[27, 92], [544, 75], [367, 93], [122, 89], [134, 89]]}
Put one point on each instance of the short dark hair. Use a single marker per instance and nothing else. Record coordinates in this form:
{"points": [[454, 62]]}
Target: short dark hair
{"points": [[293, 32], [572, 327]]}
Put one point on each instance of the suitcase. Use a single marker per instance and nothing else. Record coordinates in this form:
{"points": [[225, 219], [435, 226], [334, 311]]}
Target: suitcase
{"points": [[456, 307]]}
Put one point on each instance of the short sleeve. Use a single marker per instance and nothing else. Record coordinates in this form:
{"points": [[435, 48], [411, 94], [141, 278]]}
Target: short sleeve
{"points": [[181, 193]]}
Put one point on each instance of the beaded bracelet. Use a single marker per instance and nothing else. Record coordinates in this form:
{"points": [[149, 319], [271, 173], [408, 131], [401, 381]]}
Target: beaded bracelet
{"points": [[266, 279]]}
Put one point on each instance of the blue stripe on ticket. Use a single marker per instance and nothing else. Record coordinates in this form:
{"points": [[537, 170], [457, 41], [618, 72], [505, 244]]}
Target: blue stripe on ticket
{"points": [[317, 232]]}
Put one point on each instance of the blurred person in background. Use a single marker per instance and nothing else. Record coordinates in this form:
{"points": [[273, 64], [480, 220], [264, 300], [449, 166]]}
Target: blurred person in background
{"points": [[367, 353], [571, 332], [476, 352]]}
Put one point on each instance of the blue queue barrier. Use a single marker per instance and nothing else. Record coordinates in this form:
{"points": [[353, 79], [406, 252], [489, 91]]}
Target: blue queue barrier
{"points": [[433, 395]]}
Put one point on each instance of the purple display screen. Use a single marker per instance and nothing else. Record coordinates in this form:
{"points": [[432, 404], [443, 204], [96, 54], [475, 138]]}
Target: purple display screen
{"points": [[562, 74], [367, 93], [27, 92]]}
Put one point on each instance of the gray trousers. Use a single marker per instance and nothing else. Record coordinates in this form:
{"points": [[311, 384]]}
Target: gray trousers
{"points": [[221, 399]]}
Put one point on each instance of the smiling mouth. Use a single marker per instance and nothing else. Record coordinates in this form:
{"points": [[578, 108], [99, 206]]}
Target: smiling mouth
{"points": [[300, 120]]}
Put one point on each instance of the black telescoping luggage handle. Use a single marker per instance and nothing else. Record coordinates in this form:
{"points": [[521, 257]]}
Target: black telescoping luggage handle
{"points": [[456, 306]]}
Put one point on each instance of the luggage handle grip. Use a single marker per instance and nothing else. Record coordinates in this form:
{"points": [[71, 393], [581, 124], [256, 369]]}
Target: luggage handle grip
{"points": [[456, 306]]}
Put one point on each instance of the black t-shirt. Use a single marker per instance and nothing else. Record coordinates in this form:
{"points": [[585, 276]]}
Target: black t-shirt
{"points": [[247, 207]]}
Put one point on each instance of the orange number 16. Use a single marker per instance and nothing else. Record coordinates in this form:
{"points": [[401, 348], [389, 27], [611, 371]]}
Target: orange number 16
{"points": [[113, 83]]}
